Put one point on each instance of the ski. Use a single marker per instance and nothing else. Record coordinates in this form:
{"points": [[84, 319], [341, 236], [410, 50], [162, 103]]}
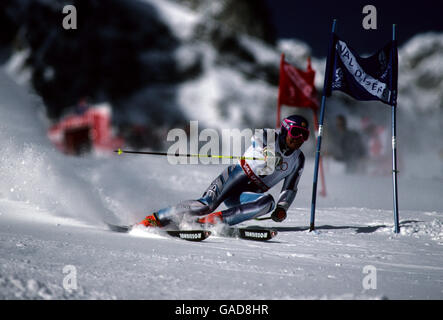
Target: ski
{"points": [[247, 233], [256, 234], [189, 235], [119, 228]]}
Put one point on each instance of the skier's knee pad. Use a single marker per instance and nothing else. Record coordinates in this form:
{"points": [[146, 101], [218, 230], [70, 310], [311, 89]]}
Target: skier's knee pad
{"points": [[250, 210], [266, 202]]}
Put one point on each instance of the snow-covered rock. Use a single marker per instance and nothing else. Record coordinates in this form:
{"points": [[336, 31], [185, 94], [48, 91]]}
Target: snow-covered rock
{"points": [[420, 83]]}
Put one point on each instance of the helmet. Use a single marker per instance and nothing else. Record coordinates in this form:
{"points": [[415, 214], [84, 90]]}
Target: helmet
{"points": [[296, 126]]}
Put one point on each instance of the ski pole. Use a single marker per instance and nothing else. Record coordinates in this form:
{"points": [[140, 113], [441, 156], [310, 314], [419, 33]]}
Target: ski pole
{"points": [[263, 218], [120, 151]]}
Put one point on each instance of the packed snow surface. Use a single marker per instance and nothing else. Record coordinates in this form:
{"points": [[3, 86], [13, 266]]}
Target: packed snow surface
{"points": [[53, 210]]}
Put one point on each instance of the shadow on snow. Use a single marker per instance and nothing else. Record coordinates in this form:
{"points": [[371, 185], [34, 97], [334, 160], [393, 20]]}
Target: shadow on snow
{"points": [[358, 229]]}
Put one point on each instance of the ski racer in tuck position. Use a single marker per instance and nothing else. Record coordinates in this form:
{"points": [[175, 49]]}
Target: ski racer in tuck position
{"points": [[242, 186]]}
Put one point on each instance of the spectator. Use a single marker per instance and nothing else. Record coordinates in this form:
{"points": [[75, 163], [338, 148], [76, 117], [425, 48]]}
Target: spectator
{"points": [[348, 147], [82, 106]]}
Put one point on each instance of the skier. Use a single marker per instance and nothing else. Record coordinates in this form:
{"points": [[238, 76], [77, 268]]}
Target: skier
{"points": [[241, 187]]}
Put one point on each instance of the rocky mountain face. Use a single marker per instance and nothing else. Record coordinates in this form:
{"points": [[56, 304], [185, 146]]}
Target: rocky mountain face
{"points": [[122, 49], [421, 68], [247, 17], [101, 59], [162, 63]]}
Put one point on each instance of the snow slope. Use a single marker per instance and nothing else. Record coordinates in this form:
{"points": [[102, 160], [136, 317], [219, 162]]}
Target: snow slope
{"points": [[53, 208]]}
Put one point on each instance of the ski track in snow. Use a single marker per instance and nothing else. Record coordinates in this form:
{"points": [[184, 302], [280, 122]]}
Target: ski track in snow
{"points": [[297, 264], [53, 209]]}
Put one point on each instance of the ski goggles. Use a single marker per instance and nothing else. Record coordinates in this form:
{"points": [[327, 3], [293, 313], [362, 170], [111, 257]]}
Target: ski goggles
{"points": [[295, 131]]}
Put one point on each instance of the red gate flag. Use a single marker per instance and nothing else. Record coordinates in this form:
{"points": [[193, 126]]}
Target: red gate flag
{"points": [[296, 87]]}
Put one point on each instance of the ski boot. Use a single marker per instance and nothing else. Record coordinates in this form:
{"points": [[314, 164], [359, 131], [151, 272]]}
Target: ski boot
{"points": [[211, 219], [151, 221]]}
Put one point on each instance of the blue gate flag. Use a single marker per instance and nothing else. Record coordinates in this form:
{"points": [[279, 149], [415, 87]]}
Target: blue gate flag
{"points": [[370, 78]]}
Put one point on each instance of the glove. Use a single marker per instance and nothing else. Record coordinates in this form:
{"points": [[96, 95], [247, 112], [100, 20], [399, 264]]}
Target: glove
{"points": [[279, 214]]}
